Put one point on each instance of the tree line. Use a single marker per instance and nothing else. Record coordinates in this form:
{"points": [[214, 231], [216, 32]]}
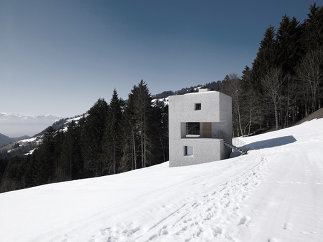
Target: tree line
{"points": [[285, 82], [111, 138]]}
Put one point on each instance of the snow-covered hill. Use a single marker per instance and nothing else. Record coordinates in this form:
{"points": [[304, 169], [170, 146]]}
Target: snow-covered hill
{"points": [[26, 146], [275, 193]]}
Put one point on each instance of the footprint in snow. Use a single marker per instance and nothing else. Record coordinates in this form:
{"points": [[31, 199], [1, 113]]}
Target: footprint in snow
{"points": [[288, 226], [244, 220], [272, 240], [309, 232], [217, 231]]}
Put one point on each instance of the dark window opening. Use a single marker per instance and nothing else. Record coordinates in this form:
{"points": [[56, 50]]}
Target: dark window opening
{"points": [[193, 128], [197, 106], [188, 150]]}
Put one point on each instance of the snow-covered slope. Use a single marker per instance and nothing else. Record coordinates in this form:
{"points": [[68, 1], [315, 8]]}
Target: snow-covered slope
{"points": [[27, 146], [275, 193]]}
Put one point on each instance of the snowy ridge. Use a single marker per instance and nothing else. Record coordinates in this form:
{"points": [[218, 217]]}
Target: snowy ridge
{"points": [[274, 193], [163, 100], [69, 120], [31, 144]]}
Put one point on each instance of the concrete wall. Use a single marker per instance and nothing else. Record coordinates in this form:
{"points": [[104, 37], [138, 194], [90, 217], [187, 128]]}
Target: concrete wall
{"points": [[226, 118], [216, 108], [205, 150]]}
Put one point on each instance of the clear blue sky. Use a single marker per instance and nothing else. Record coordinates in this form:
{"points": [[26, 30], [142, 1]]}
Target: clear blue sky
{"points": [[58, 57]]}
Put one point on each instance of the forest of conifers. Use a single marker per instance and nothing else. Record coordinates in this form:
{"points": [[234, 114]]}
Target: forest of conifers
{"points": [[283, 85]]}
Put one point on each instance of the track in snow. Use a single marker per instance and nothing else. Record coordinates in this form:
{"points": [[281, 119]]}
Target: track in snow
{"points": [[205, 218]]}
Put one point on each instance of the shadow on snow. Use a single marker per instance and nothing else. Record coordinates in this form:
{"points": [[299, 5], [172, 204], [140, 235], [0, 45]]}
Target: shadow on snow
{"points": [[269, 143], [263, 144]]}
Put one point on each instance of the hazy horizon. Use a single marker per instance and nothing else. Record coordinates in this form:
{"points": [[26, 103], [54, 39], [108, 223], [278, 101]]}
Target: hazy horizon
{"points": [[14, 125]]}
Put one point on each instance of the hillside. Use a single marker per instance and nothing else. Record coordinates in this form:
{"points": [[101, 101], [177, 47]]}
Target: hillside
{"points": [[211, 85], [314, 115], [275, 193], [4, 140], [25, 145]]}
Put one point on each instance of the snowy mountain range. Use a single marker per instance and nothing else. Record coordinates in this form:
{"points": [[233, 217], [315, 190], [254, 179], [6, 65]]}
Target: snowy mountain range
{"points": [[26, 145], [14, 125], [274, 193]]}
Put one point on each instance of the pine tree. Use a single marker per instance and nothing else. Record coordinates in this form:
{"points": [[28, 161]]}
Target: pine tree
{"points": [[289, 47], [70, 156], [143, 112], [313, 26], [266, 58], [112, 140], [138, 114], [91, 138], [290, 50], [129, 133], [47, 165], [159, 132]]}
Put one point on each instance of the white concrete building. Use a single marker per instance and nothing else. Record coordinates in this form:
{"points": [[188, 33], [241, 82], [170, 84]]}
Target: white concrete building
{"points": [[198, 125]]}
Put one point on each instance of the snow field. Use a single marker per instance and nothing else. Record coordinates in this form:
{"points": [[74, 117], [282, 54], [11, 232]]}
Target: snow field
{"points": [[275, 193]]}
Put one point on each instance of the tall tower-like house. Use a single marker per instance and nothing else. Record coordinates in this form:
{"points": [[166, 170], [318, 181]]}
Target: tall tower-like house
{"points": [[199, 123]]}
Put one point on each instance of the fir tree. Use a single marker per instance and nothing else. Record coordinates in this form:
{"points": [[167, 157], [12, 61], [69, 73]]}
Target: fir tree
{"points": [[112, 140], [91, 138]]}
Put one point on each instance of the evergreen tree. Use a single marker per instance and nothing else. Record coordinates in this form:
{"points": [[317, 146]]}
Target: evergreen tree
{"points": [[143, 111], [112, 139], [129, 131], [47, 158], [70, 161], [266, 58], [138, 115], [289, 47], [231, 85], [290, 50], [91, 138], [313, 27], [159, 132]]}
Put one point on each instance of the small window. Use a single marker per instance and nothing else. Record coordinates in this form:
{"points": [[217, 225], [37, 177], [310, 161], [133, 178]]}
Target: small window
{"points": [[188, 150], [197, 106]]}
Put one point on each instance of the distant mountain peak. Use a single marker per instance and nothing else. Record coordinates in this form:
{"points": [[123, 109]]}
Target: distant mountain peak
{"points": [[14, 125]]}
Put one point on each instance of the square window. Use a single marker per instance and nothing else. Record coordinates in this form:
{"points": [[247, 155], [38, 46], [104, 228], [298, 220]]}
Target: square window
{"points": [[197, 106], [188, 150], [192, 128]]}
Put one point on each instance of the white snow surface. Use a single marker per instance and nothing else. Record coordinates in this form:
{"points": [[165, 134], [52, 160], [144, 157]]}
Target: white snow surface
{"points": [[75, 119], [163, 100], [31, 151], [29, 140], [274, 193], [69, 120]]}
